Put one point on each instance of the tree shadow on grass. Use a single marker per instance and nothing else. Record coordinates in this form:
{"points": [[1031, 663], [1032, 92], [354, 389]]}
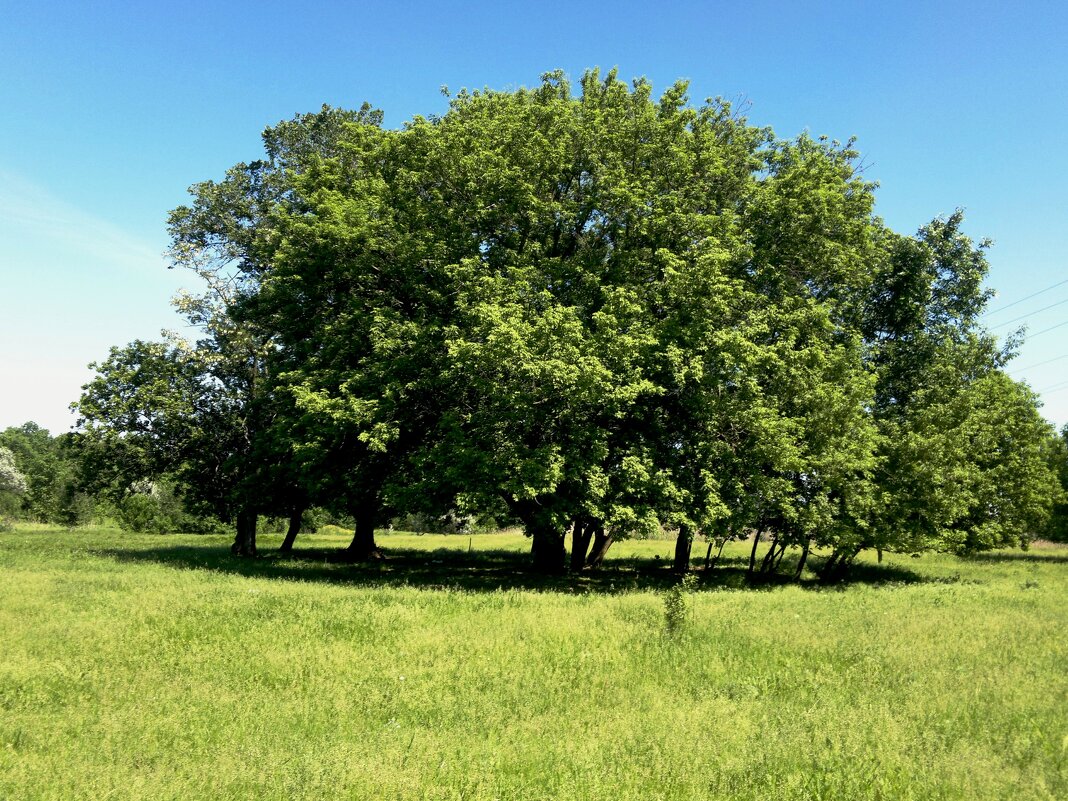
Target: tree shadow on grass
{"points": [[484, 570]]}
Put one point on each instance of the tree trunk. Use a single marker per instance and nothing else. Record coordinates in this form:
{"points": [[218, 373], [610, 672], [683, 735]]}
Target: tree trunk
{"points": [[845, 564], [601, 543], [779, 558], [291, 533], [835, 567], [803, 559], [752, 553], [719, 553], [547, 548], [683, 546], [827, 568], [769, 557], [245, 534], [580, 545], [363, 546]]}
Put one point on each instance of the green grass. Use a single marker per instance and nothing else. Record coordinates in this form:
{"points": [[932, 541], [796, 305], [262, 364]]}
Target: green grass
{"points": [[158, 667]]}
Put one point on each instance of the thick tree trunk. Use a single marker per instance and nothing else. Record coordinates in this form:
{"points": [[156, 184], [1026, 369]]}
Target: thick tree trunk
{"points": [[291, 533], [827, 569], [601, 543], [363, 546], [683, 546], [547, 548], [245, 534], [581, 535]]}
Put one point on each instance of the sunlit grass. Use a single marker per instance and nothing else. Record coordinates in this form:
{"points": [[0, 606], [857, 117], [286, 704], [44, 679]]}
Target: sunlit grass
{"points": [[157, 667]]}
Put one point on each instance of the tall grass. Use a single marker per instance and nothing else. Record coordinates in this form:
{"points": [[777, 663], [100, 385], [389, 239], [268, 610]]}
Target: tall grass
{"points": [[156, 667]]}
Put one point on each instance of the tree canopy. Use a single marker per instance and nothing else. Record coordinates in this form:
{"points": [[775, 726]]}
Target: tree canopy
{"points": [[594, 310]]}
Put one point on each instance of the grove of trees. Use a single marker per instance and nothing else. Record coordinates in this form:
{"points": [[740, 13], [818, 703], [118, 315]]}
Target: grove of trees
{"points": [[587, 310], [39, 477]]}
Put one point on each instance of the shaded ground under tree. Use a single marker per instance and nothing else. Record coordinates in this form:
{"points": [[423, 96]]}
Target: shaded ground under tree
{"points": [[487, 570]]}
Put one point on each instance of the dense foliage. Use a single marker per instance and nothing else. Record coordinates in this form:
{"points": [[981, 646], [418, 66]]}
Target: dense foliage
{"points": [[597, 311], [1058, 523], [39, 477]]}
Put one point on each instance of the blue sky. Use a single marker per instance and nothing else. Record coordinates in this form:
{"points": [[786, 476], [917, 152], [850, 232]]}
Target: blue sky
{"points": [[108, 111]]}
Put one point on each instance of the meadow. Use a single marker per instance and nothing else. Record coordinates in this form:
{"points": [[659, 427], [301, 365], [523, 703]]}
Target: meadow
{"points": [[141, 666]]}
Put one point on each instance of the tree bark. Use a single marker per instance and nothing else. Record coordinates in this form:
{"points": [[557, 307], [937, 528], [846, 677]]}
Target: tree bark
{"points": [[547, 548], [835, 567], [581, 535], [752, 553], [291, 533], [779, 559], [245, 534], [803, 559], [363, 546], [683, 546], [774, 556], [719, 553], [828, 567], [601, 543], [769, 557]]}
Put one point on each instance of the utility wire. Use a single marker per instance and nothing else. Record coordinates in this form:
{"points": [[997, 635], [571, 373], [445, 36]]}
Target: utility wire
{"points": [[1053, 388], [1045, 331], [1021, 300], [1040, 364], [1030, 314]]}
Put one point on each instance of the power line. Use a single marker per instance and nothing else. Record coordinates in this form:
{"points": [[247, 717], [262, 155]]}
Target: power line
{"points": [[1046, 330], [1053, 388], [1030, 314], [1021, 300], [1040, 364]]}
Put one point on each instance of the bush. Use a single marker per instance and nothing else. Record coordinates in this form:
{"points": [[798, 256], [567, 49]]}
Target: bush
{"points": [[142, 514], [677, 605], [155, 508]]}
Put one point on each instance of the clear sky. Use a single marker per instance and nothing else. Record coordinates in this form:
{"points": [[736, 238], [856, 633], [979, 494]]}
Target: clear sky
{"points": [[110, 110]]}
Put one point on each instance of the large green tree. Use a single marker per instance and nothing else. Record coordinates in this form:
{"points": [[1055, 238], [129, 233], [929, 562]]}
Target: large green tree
{"points": [[606, 312], [191, 411], [299, 235], [205, 412], [964, 456]]}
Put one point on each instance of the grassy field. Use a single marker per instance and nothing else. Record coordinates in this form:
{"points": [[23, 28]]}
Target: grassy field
{"points": [[155, 667]]}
